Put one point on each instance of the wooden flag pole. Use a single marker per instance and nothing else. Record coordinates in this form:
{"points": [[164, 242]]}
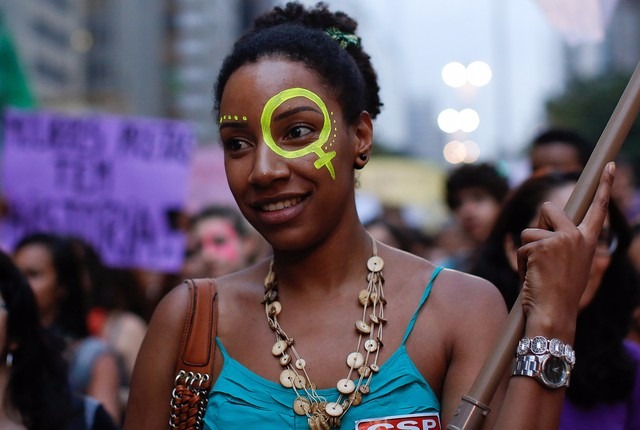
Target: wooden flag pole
{"points": [[474, 406]]}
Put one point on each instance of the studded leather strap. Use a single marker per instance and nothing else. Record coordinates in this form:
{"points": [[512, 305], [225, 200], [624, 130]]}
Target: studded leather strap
{"points": [[194, 363]]}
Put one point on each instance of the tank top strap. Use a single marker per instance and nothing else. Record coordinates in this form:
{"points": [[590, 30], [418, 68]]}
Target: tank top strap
{"points": [[223, 350], [425, 295]]}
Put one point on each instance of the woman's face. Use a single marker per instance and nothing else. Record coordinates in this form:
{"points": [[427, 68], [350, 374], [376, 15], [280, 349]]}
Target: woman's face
{"points": [[289, 154], [36, 263], [220, 246]]}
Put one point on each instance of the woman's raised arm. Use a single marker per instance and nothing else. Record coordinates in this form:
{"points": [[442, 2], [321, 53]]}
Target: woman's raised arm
{"points": [[554, 264]]}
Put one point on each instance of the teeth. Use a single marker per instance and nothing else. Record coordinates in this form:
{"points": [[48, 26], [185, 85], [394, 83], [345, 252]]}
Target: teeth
{"points": [[281, 205]]}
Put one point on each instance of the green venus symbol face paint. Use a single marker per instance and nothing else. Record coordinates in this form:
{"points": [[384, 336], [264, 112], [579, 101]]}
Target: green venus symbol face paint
{"points": [[324, 158]]}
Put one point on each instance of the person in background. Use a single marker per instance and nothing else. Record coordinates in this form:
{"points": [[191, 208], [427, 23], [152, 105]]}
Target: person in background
{"points": [[605, 384], [34, 386], [114, 313], [474, 193], [558, 148], [152, 286], [390, 233], [625, 191], [295, 103], [634, 256], [55, 273], [219, 241], [403, 236]]}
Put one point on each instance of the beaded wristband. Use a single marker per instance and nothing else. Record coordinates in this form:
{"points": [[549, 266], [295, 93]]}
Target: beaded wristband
{"points": [[539, 345]]}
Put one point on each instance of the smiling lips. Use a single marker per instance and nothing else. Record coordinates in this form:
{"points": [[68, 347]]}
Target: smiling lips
{"points": [[270, 207]]}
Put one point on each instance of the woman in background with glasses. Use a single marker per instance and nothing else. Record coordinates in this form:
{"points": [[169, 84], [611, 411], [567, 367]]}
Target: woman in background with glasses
{"points": [[605, 383]]}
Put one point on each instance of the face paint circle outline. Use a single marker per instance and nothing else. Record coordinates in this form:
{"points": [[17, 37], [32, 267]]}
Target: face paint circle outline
{"points": [[314, 147]]}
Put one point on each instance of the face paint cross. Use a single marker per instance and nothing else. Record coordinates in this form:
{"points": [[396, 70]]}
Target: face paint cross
{"points": [[324, 158]]}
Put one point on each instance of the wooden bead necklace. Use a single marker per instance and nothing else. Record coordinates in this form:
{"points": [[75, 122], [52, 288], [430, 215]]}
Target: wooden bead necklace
{"points": [[323, 414]]}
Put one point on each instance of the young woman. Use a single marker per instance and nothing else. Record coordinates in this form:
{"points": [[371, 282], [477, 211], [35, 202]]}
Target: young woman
{"points": [[605, 383], [34, 390], [300, 335], [55, 273]]}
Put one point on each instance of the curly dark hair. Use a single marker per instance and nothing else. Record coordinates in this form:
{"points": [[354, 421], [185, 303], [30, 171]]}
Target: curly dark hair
{"points": [[38, 374], [604, 372], [483, 175], [72, 315], [299, 34]]}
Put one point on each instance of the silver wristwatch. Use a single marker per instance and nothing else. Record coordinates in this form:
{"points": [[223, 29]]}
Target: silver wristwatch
{"points": [[551, 371], [548, 361]]}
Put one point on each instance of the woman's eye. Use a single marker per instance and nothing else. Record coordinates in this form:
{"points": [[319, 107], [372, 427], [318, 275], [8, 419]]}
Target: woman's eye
{"points": [[31, 274], [298, 131], [235, 145]]}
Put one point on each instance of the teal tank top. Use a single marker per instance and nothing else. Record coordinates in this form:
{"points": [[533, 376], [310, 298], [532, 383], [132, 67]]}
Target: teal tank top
{"points": [[242, 399]]}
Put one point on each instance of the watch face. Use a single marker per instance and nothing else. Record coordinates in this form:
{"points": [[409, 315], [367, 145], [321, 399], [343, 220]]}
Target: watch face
{"points": [[555, 371]]}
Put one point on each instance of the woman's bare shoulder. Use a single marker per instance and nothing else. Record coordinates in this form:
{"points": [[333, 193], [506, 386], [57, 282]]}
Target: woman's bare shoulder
{"points": [[172, 307], [452, 289], [468, 301], [460, 285], [452, 281]]}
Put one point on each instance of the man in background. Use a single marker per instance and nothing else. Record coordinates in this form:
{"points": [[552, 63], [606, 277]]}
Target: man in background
{"points": [[559, 149], [474, 194]]}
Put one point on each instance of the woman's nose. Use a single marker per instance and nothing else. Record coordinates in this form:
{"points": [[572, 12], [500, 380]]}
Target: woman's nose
{"points": [[268, 166]]}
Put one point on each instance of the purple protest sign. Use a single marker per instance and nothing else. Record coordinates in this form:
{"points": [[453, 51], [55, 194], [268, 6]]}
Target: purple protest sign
{"points": [[114, 181]]}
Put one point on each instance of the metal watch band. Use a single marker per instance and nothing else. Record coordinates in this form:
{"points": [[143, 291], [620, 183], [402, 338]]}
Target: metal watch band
{"points": [[550, 371], [526, 365]]}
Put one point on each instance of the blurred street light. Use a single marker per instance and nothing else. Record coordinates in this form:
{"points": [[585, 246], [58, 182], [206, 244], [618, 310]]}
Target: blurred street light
{"points": [[454, 74], [451, 121], [469, 120], [456, 152], [477, 73]]}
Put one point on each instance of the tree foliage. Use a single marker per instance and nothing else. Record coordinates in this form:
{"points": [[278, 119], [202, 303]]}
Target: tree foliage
{"points": [[587, 106]]}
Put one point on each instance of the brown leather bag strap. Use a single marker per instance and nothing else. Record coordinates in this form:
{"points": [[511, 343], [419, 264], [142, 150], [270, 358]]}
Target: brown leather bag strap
{"points": [[198, 345], [194, 363]]}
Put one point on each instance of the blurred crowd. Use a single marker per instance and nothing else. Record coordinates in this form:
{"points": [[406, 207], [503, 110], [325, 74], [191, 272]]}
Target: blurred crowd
{"points": [[68, 320]]}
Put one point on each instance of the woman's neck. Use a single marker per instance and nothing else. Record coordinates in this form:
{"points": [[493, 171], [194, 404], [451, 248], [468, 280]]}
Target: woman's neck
{"points": [[326, 267]]}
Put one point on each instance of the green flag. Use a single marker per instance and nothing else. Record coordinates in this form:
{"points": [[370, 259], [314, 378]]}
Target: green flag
{"points": [[14, 88]]}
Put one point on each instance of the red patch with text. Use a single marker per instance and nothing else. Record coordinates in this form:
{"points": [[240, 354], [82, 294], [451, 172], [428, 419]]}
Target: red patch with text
{"points": [[406, 422]]}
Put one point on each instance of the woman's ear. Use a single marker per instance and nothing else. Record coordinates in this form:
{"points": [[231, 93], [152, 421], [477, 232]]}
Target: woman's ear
{"points": [[364, 140]]}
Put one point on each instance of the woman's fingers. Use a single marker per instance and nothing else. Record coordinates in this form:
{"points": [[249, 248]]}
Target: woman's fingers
{"points": [[595, 216], [552, 219], [555, 258]]}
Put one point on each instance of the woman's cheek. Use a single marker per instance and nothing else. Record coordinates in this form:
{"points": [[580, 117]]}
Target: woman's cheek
{"points": [[598, 267]]}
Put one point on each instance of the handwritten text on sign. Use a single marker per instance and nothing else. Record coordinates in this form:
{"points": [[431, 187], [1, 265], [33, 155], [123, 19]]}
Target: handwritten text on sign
{"points": [[114, 181]]}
